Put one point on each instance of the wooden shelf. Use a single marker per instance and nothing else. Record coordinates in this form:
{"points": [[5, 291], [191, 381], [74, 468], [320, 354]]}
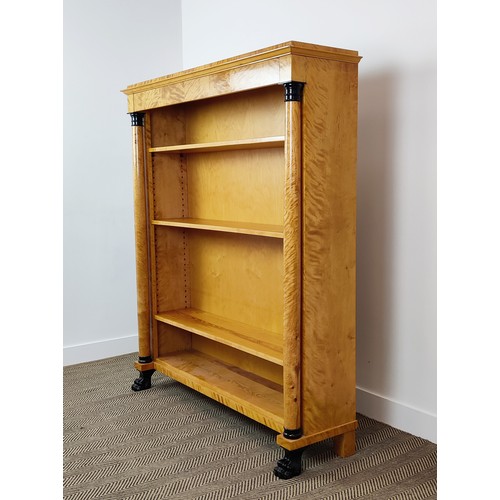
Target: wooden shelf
{"points": [[255, 341], [242, 391], [269, 230], [257, 143]]}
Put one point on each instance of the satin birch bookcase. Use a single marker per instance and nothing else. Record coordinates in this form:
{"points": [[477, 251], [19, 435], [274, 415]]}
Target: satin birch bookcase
{"points": [[245, 225]]}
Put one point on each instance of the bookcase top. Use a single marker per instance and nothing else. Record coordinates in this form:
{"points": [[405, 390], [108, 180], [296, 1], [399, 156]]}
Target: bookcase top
{"points": [[274, 51]]}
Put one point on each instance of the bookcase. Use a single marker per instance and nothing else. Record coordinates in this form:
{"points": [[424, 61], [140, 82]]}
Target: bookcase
{"points": [[245, 229]]}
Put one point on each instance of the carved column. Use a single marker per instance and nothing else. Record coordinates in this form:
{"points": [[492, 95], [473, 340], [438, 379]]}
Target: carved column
{"points": [[290, 465], [292, 259], [141, 219]]}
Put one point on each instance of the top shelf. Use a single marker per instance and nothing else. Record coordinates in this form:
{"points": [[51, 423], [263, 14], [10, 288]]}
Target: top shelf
{"points": [[205, 147]]}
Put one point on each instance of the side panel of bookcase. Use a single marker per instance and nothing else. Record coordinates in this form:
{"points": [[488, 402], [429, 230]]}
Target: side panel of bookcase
{"points": [[329, 244]]}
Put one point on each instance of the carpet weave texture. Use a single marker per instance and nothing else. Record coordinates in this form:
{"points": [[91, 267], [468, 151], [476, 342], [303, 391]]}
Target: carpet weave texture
{"points": [[172, 442]]}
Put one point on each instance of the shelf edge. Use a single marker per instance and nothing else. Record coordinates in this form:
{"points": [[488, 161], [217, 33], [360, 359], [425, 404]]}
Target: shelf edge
{"points": [[219, 226], [169, 318], [235, 145]]}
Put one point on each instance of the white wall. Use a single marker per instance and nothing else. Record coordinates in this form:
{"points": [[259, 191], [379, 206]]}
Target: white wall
{"points": [[396, 174], [107, 46]]}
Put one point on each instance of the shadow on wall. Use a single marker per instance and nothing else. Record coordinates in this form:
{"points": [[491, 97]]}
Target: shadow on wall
{"points": [[375, 209], [396, 249]]}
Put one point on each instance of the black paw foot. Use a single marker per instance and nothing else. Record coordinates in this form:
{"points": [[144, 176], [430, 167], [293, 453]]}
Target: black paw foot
{"points": [[143, 382], [290, 465]]}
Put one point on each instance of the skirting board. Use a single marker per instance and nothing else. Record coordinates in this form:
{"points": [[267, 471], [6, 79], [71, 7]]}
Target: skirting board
{"points": [[93, 351], [396, 414]]}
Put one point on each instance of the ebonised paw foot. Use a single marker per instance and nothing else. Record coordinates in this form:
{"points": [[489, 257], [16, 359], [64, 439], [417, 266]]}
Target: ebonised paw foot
{"points": [[290, 465], [143, 382]]}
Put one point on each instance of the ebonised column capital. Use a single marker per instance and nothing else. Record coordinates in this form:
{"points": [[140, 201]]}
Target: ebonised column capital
{"points": [[293, 91], [137, 119]]}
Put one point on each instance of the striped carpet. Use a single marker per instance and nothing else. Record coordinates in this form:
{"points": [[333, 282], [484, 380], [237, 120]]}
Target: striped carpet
{"points": [[171, 442]]}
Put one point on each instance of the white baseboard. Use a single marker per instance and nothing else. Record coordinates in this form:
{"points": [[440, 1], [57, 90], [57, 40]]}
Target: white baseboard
{"points": [[93, 351], [396, 414]]}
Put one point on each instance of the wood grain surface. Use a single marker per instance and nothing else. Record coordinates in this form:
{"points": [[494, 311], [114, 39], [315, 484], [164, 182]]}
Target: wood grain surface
{"points": [[329, 244], [141, 219], [245, 214], [292, 284]]}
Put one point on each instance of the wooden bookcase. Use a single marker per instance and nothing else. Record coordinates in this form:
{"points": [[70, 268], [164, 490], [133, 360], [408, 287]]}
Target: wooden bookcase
{"points": [[245, 221]]}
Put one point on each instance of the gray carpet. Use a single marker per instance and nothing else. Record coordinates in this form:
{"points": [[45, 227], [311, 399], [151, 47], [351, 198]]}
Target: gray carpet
{"points": [[171, 442]]}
